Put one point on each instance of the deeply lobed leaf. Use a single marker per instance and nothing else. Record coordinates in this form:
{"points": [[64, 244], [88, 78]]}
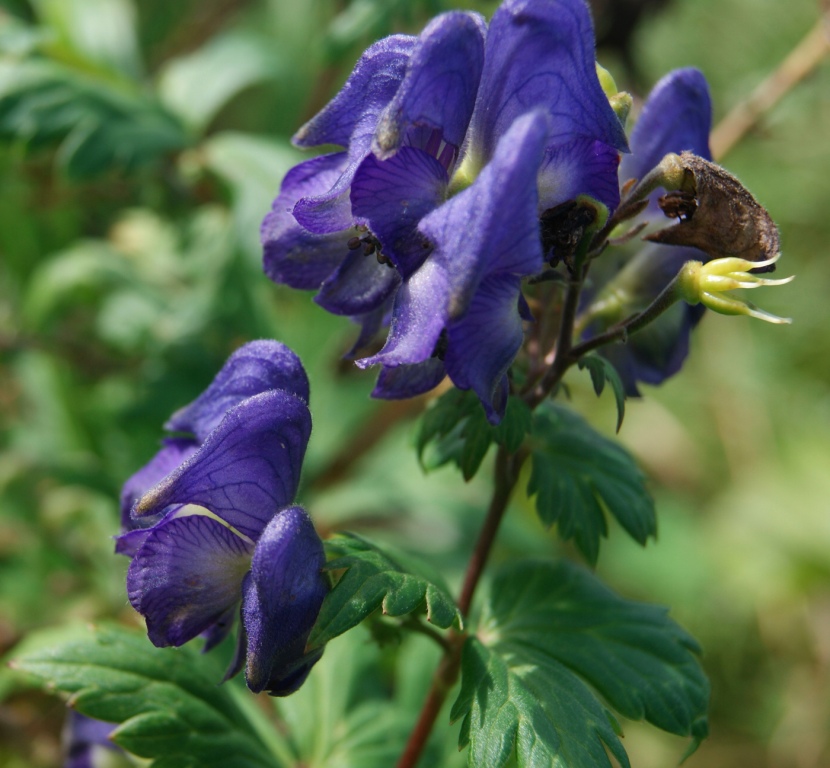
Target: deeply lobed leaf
{"points": [[379, 578], [552, 638], [455, 428], [577, 475], [168, 703]]}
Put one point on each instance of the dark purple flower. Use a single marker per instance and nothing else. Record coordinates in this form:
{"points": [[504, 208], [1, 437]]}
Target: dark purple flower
{"points": [[542, 133], [224, 532], [677, 116], [411, 93]]}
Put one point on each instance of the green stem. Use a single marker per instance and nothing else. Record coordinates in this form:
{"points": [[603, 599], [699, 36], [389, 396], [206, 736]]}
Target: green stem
{"points": [[631, 325], [445, 677]]}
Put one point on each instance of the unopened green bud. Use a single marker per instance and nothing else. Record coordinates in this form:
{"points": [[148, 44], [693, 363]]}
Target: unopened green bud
{"points": [[620, 101], [706, 284]]}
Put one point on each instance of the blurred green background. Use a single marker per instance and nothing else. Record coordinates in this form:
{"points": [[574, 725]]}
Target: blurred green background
{"points": [[141, 143]]}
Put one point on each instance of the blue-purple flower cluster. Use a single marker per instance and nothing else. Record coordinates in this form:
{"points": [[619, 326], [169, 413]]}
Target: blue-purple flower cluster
{"points": [[455, 144], [212, 529]]}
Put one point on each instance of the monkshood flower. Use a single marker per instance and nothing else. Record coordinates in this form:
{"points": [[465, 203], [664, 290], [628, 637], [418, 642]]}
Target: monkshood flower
{"points": [[542, 133], [407, 93], [224, 535], [86, 743], [676, 117]]}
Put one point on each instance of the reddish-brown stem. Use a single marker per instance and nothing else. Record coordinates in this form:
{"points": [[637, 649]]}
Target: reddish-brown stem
{"points": [[506, 472]]}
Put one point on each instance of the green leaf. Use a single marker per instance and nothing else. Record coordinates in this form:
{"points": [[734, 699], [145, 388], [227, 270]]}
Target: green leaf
{"points": [[230, 62], [379, 578], [517, 422], [168, 702], [577, 475], [552, 635], [455, 429], [97, 124], [343, 716], [603, 371]]}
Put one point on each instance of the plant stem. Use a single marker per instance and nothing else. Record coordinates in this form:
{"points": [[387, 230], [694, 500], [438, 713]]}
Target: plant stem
{"points": [[800, 62], [629, 326], [506, 475]]}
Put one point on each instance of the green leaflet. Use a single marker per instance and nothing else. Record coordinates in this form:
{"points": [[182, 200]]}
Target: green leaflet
{"points": [[168, 702], [603, 371], [551, 635], [379, 578], [577, 475], [456, 429]]}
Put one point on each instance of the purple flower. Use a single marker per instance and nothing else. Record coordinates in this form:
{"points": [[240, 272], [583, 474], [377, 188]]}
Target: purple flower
{"points": [[542, 132], [452, 156], [222, 533], [677, 116], [405, 92]]}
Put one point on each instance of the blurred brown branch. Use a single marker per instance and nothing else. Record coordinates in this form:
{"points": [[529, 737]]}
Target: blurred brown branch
{"points": [[801, 61]]}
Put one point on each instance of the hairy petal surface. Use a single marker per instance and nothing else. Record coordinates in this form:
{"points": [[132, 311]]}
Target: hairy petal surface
{"points": [[291, 254], [492, 226], [540, 54], [405, 381], [247, 469], [367, 91], [419, 315], [440, 86], [281, 601], [483, 343], [186, 577], [174, 452], [254, 368], [350, 120]]}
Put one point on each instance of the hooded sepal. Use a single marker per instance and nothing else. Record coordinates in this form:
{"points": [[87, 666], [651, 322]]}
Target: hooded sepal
{"points": [[281, 600]]}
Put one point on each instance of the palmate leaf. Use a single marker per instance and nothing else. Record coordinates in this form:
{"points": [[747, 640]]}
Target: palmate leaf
{"points": [[555, 646], [379, 578], [577, 475], [168, 703], [456, 429]]}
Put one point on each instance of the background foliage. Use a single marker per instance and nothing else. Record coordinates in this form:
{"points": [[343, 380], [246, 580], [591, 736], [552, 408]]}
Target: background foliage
{"points": [[140, 146]]}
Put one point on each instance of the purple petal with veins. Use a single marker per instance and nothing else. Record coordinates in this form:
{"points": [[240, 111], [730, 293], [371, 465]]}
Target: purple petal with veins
{"points": [[405, 381], [254, 368], [540, 55], [676, 116], [291, 254], [483, 343], [392, 196], [439, 90], [358, 286], [247, 469], [187, 576], [370, 87], [579, 167]]}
